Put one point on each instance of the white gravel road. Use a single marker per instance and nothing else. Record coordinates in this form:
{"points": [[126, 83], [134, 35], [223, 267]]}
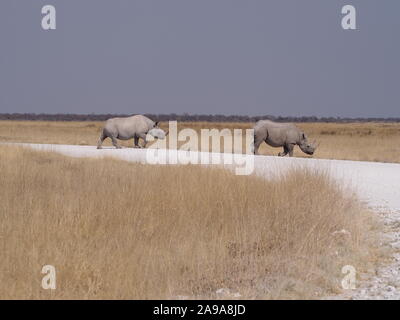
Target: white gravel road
{"points": [[376, 184]]}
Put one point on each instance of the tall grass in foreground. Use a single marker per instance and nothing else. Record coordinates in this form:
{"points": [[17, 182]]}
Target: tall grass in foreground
{"points": [[116, 230]]}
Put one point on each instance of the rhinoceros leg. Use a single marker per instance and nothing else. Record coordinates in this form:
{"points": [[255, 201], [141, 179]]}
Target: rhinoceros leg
{"points": [[290, 149], [256, 146], [257, 141], [101, 139], [143, 136], [136, 142], [115, 142], [285, 151]]}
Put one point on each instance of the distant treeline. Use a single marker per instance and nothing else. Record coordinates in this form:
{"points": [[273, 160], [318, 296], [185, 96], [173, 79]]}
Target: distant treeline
{"points": [[184, 117]]}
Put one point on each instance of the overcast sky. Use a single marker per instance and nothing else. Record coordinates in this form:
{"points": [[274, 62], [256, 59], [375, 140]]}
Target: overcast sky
{"points": [[254, 57]]}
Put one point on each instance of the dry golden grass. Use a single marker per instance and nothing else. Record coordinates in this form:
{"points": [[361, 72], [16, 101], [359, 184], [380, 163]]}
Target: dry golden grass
{"points": [[346, 141], [115, 229]]}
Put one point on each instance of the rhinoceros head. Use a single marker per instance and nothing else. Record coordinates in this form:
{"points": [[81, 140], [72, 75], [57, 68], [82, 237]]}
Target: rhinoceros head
{"points": [[306, 146], [157, 132]]}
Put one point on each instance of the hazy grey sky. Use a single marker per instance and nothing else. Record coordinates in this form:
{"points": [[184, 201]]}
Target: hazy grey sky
{"points": [[279, 57]]}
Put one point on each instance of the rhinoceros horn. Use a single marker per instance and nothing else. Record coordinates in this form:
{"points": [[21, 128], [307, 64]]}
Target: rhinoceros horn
{"points": [[315, 144]]}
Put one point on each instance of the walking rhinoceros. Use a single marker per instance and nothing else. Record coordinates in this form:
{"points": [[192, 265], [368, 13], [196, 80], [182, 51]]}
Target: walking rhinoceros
{"points": [[285, 135], [131, 127]]}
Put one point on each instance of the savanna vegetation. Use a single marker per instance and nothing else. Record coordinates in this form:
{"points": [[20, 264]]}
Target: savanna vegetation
{"points": [[120, 230]]}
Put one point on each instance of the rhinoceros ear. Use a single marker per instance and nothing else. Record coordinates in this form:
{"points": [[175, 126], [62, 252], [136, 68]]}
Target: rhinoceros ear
{"points": [[156, 124], [303, 136]]}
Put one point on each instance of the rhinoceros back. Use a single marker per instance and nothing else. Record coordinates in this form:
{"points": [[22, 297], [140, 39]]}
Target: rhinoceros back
{"points": [[127, 128], [276, 133]]}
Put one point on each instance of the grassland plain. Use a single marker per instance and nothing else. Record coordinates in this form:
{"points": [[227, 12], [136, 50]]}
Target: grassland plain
{"points": [[120, 230], [344, 141]]}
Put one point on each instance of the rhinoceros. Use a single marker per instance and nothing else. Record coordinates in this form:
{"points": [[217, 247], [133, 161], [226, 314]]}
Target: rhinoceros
{"points": [[135, 127], [285, 135]]}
